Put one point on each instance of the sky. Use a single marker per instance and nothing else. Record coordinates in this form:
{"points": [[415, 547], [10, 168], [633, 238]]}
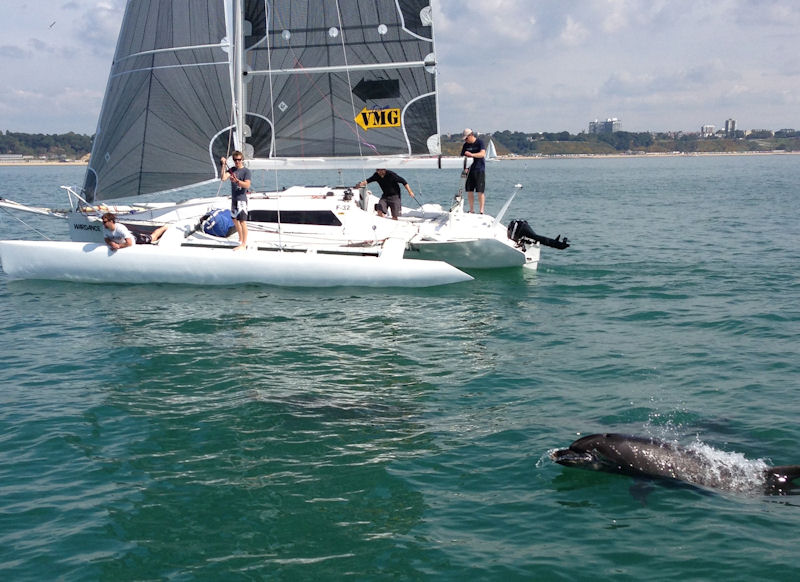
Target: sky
{"points": [[521, 65]]}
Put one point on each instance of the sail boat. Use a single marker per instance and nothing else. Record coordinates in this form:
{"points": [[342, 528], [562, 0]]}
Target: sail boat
{"points": [[491, 152], [344, 85]]}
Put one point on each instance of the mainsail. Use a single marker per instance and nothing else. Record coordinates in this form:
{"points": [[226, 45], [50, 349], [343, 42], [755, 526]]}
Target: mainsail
{"points": [[168, 97], [279, 79]]}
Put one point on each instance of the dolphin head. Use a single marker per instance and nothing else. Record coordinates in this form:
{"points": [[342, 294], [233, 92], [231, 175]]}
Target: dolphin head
{"points": [[598, 452], [619, 453], [570, 458]]}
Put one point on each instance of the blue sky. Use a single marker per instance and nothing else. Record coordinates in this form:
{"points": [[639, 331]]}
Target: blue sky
{"points": [[530, 65]]}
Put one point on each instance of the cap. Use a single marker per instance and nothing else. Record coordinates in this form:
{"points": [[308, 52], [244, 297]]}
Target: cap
{"points": [[466, 133]]}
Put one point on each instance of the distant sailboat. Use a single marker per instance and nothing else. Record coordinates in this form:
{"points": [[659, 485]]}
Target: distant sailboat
{"points": [[491, 152]]}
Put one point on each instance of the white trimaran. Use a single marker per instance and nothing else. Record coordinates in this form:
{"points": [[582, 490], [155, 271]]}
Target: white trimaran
{"points": [[329, 85]]}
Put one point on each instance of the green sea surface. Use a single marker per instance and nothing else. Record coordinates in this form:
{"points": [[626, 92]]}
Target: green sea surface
{"points": [[261, 433]]}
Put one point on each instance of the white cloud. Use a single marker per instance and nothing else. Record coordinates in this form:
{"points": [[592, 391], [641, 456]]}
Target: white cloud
{"points": [[616, 17], [13, 52], [98, 25], [532, 65], [453, 89], [574, 33]]}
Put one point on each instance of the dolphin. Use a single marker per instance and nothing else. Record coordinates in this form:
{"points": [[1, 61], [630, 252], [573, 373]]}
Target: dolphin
{"points": [[701, 465]]}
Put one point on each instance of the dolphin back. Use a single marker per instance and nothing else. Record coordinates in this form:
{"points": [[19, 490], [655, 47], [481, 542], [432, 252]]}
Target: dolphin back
{"points": [[651, 457]]}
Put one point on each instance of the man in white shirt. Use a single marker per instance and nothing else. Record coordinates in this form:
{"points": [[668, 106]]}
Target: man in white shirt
{"points": [[116, 235]]}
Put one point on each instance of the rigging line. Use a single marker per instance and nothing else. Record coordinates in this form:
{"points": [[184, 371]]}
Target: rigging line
{"points": [[273, 142], [231, 122], [33, 228], [325, 96], [230, 36], [147, 114], [350, 86], [231, 126], [268, 36]]}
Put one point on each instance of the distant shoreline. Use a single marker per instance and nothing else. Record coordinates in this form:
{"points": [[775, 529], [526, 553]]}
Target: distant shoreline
{"points": [[41, 163], [503, 157], [646, 155]]}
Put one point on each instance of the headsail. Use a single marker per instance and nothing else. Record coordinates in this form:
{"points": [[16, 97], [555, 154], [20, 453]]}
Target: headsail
{"points": [[345, 79], [323, 79], [168, 97]]}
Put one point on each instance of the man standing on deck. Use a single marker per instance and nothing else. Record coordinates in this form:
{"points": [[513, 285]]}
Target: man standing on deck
{"points": [[240, 184], [390, 185], [476, 179]]}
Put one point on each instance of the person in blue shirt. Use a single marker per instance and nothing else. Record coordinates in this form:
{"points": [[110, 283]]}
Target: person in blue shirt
{"points": [[476, 179]]}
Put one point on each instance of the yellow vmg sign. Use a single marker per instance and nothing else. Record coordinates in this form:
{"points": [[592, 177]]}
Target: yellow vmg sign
{"points": [[376, 118]]}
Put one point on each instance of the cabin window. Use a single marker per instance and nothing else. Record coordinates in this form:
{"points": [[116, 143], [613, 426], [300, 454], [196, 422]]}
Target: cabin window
{"points": [[316, 217]]}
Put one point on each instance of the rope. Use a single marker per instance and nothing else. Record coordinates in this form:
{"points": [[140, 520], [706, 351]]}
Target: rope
{"points": [[272, 144], [33, 228], [350, 85]]}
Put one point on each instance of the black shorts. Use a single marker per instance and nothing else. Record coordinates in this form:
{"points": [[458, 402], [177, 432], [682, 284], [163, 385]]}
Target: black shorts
{"points": [[392, 202], [142, 238], [476, 182], [239, 210]]}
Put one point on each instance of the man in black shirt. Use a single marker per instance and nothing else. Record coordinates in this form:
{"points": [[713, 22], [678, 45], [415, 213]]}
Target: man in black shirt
{"points": [[390, 185], [476, 179]]}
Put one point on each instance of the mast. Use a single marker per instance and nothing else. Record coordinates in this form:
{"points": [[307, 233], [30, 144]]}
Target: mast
{"points": [[239, 94]]}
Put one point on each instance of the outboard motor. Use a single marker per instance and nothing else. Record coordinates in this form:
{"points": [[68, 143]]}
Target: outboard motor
{"points": [[520, 232]]}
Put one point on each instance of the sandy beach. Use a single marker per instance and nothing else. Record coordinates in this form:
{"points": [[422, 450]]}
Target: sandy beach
{"points": [[41, 163]]}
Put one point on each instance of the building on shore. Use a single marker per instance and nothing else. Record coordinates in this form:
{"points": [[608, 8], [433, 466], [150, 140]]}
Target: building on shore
{"points": [[707, 131], [730, 128], [14, 158], [610, 125]]}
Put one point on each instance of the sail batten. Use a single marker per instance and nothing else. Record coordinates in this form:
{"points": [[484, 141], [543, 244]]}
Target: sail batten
{"points": [[342, 68], [175, 49], [161, 67]]}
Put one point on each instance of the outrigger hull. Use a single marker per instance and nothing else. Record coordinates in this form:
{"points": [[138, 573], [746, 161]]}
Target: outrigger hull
{"points": [[96, 263], [483, 253]]}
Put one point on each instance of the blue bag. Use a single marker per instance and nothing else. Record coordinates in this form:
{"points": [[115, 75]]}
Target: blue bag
{"points": [[219, 223]]}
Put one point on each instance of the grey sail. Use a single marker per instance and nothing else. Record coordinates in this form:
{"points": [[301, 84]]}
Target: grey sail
{"points": [[323, 71], [168, 98], [325, 79]]}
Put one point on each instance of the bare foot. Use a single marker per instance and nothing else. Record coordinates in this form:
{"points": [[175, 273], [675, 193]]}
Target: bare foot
{"points": [[240, 247]]}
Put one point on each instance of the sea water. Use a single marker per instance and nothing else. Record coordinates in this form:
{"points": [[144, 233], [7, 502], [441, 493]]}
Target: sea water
{"points": [[255, 433]]}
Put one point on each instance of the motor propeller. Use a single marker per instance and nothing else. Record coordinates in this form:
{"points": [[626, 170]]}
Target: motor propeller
{"points": [[520, 232]]}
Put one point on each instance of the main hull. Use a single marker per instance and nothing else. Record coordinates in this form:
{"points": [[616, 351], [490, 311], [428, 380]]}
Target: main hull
{"points": [[96, 263], [314, 217]]}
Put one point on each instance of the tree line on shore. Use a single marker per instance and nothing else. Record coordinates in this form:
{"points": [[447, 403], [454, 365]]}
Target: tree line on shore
{"points": [[565, 143], [75, 146], [51, 146]]}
